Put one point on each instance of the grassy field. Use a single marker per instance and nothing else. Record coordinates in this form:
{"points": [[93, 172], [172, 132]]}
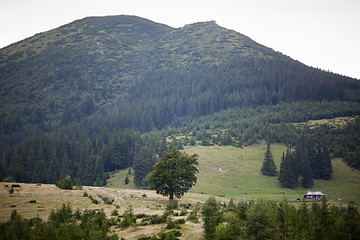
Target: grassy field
{"points": [[232, 172], [117, 179], [235, 173], [47, 197], [224, 171]]}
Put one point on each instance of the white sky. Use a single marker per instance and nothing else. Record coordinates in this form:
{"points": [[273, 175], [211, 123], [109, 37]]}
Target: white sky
{"points": [[320, 33]]}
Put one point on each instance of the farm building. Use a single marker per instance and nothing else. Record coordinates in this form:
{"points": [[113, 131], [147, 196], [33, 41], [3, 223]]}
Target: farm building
{"points": [[313, 196]]}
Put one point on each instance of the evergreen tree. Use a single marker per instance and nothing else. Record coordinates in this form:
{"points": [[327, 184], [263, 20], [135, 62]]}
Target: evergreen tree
{"points": [[326, 167], [313, 160], [288, 176], [211, 216], [307, 180], [302, 158], [269, 167]]}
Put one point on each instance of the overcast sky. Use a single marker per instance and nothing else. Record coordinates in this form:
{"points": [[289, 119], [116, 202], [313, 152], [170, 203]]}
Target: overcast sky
{"points": [[320, 33]]}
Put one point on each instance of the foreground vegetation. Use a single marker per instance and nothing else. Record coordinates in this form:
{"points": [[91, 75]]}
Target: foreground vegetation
{"points": [[142, 214], [269, 220]]}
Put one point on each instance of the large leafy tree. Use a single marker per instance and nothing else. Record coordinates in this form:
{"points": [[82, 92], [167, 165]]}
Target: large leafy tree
{"points": [[174, 174]]}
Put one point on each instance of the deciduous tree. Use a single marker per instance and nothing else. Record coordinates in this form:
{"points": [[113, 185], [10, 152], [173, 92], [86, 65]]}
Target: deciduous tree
{"points": [[174, 174]]}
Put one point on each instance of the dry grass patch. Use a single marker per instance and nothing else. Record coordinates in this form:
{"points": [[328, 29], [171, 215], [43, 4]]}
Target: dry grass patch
{"points": [[48, 197]]}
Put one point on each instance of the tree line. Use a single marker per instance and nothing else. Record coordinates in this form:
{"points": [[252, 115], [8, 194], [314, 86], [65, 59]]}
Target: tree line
{"points": [[279, 220], [88, 155], [309, 160]]}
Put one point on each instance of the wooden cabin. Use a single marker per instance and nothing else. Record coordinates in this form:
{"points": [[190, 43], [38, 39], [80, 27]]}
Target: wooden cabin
{"points": [[313, 196]]}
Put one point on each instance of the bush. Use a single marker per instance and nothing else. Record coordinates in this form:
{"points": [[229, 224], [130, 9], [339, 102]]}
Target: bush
{"points": [[142, 215], [107, 200], [180, 221], [172, 235], [9, 179], [85, 194], [183, 213], [174, 204], [114, 213], [66, 183], [155, 219], [172, 225], [93, 200], [186, 205], [128, 219], [193, 218]]}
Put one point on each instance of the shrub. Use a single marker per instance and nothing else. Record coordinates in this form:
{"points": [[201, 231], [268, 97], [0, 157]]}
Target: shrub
{"points": [[172, 235], [186, 205], [65, 183], [93, 200], [183, 213], [8, 179], [128, 219], [172, 225], [193, 218], [174, 204], [85, 194], [115, 213], [107, 200], [155, 219], [142, 215], [180, 221]]}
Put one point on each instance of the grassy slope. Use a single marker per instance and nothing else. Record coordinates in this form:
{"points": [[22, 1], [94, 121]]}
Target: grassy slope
{"points": [[235, 173], [48, 198], [117, 179], [224, 170]]}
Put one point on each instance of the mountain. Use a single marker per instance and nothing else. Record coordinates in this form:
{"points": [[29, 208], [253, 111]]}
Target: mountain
{"points": [[87, 92]]}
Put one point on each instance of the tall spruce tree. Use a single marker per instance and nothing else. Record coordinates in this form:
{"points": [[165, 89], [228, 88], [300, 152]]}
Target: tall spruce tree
{"points": [[288, 176], [302, 158], [269, 167], [326, 166]]}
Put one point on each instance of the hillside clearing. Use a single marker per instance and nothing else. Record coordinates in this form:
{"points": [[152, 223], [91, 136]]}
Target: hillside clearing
{"points": [[235, 173], [231, 172]]}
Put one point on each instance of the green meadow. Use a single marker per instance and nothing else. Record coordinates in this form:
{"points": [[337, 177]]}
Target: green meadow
{"points": [[233, 172]]}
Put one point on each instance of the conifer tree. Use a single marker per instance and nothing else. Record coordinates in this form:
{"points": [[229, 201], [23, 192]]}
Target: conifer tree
{"points": [[326, 166], [288, 176], [269, 167], [302, 158], [307, 180], [211, 217]]}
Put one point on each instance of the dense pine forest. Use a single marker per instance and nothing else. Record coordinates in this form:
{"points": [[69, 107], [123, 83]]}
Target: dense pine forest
{"points": [[108, 93]]}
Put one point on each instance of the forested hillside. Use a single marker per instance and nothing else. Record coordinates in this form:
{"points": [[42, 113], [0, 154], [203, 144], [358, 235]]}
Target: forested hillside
{"points": [[105, 93]]}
